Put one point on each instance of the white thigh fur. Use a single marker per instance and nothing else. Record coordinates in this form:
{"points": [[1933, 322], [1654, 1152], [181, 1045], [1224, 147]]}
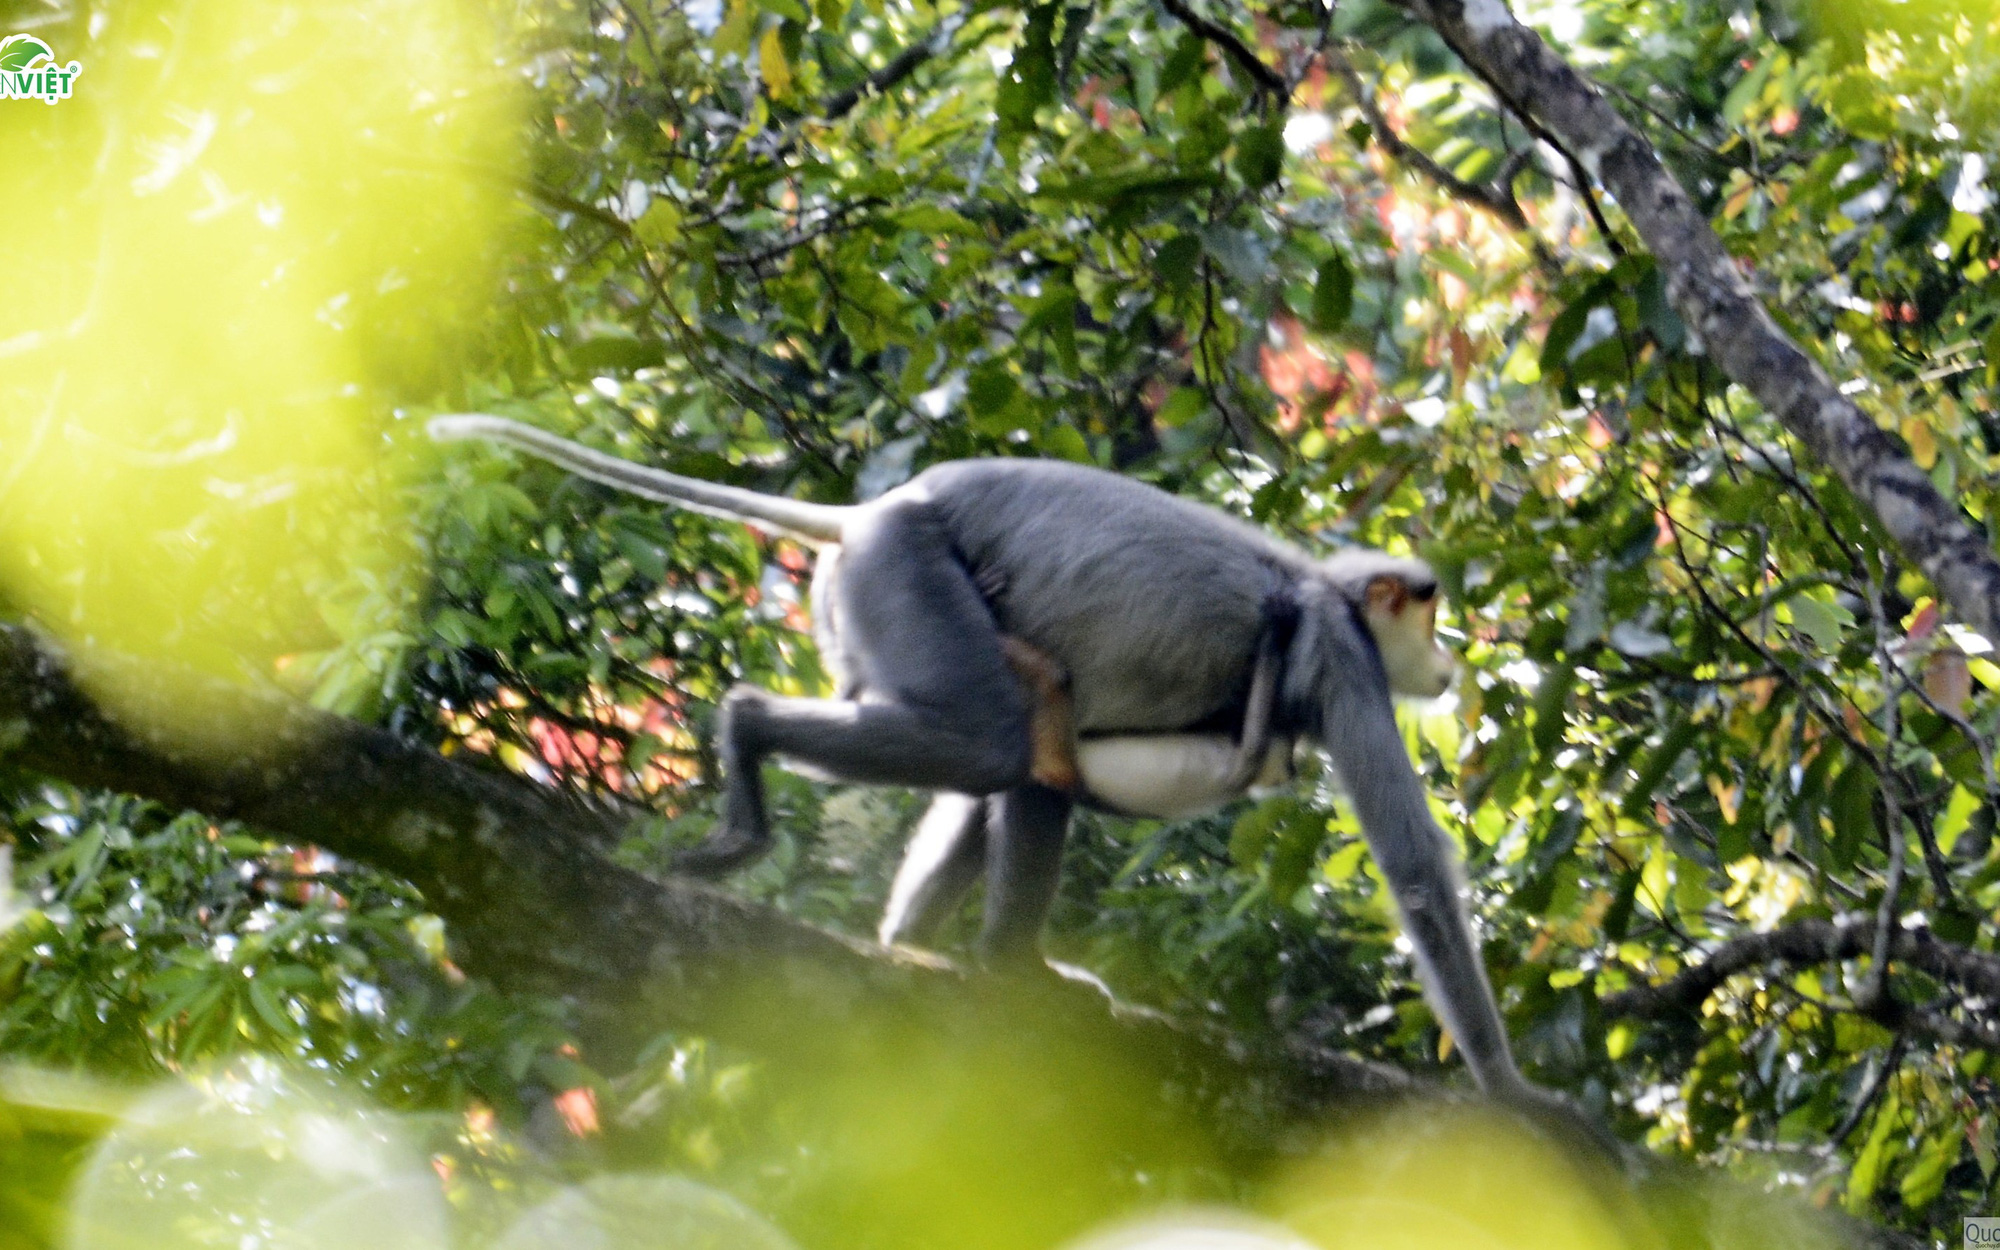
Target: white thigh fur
{"points": [[1169, 776]]}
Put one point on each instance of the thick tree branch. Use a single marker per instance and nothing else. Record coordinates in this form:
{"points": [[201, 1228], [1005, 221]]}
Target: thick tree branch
{"points": [[1707, 287], [1811, 942], [509, 866]]}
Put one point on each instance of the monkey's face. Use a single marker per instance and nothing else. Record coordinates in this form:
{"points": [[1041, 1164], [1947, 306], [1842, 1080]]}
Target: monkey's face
{"points": [[1404, 623]]}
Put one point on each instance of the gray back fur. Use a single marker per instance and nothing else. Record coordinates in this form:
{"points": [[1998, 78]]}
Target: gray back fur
{"points": [[1151, 602]]}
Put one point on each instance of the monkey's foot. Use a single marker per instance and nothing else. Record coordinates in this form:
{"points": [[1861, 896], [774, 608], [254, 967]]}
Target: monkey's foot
{"points": [[720, 855]]}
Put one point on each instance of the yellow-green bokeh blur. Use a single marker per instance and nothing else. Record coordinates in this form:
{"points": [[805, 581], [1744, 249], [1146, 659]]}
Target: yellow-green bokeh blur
{"points": [[1437, 1176], [253, 231]]}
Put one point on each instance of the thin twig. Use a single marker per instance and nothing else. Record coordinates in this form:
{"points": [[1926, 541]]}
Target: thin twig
{"points": [[1496, 198], [1875, 995], [900, 66], [1267, 80], [1877, 1081]]}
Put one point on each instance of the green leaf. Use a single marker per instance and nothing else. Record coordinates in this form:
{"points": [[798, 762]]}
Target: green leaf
{"points": [[1299, 839], [733, 36], [1823, 622], [1563, 332], [18, 52], [1066, 442], [990, 389], [648, 558], [1851, 807], [1189, 55], [1737, 103], [643, 750], [933, 220], [270, 1009], [1333, 294], [617, 353], [1618, 916], [1260, 156], [1175, 261], [1551, 702], [772, 65], [1957, 817], [660, 225], [1925, 1179], [1257, 828], [1055, 312], [1680, 735], [1243, 254], [1030, 81], [1183, 406]]}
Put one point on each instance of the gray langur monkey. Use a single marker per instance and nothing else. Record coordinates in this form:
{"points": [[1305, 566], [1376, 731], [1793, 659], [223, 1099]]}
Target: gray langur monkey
{"points": [[1167, 775], [1151, 604]]}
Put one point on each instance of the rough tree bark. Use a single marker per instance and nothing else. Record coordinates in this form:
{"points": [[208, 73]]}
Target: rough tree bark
{"points": [[531, 905], [1707, 287]]}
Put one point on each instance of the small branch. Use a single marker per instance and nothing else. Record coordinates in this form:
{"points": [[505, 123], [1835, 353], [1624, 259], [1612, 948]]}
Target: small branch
{"points": [[900, 66], [1267, 80], [1877, 1081], [1496, 197], [1888, 915], [548, 195], [829, 223], [570, 204], [1579, 179], [1811, 942]]}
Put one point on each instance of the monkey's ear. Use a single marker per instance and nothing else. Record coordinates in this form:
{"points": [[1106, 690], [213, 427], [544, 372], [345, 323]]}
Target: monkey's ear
{"points": [[1386, 593]]}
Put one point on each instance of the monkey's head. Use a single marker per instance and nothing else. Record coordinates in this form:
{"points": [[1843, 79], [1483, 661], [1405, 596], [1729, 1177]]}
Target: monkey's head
{"points": [[1399, 600]]}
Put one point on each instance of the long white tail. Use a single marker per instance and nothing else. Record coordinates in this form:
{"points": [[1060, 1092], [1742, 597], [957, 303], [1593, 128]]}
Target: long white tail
{"points": [[816, 522]]}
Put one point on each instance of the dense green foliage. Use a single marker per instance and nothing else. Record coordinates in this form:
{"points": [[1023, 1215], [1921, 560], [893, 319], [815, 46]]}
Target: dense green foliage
{"points": [[1701, 699]]}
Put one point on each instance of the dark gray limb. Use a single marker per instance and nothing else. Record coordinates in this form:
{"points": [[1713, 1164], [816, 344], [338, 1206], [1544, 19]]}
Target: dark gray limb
{"points": [[1024, 842], [945, 857], [943, 709]]}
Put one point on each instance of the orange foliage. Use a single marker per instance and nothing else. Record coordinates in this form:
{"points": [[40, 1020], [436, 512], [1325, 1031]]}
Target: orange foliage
{"points": [[1300, 374], [578, 1109]]}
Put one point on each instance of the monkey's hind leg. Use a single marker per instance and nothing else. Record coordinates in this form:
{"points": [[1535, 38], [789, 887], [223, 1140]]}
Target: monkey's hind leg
{"points": [[942, 709], [945, 857], [1026, 827]]}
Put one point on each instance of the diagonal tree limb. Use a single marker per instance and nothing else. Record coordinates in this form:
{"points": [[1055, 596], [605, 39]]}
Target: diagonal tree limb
{"points": [[1708, 289], [530, 905]]}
